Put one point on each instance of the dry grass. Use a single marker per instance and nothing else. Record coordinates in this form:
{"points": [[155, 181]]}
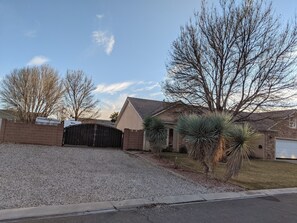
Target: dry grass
{"points": [[256, 174]]}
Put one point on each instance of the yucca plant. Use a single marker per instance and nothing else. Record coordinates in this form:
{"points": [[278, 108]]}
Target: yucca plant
{"points": [[207, 137], [239, 141], [156, 133]]}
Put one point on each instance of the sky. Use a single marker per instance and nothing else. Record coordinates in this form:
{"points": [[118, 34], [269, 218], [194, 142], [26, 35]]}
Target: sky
{"points": [[123, 45]]}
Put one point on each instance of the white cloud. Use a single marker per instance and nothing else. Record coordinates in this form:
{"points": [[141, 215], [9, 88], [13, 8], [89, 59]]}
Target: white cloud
{"points": [[110, 45], [104, 39], [113, 88], [31, 33], [37, 60], [110, 106], [151, 86], [118, 92], [156, 94], [99, 16]]}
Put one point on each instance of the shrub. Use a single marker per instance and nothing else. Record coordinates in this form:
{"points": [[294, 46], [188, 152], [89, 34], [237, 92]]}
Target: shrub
{"points": [[183, 149], [212, 137], [156, 133], [168, 149]]}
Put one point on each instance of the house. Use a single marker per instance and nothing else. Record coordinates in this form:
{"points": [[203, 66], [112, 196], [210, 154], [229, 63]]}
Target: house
{"points": [[97, 121], [12, 115], [135, 110], [277, 130], [277, 134], [8, 114]]}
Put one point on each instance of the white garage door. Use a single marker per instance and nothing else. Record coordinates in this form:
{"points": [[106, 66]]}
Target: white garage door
{"points": [[286, 149]]}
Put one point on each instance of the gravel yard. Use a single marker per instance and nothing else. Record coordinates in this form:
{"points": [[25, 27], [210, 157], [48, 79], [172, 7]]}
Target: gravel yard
{"points": [[42, 175]]}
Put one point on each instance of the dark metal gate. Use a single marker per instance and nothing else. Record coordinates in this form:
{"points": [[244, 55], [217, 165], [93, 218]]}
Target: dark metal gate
{"points": [[93, 135]]}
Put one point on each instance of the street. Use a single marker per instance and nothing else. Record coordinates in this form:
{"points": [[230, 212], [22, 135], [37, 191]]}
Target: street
{"points": [[280, 208]]}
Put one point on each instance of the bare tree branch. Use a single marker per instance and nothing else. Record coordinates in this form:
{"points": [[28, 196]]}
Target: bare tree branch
{"points": [[79, 101], [32, 92], [235, 58]]}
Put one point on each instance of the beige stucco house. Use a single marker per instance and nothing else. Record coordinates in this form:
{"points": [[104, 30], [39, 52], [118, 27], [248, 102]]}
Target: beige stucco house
{"points": [[277, 130], [135, 110]]}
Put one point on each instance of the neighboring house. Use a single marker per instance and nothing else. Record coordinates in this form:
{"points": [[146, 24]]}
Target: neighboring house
{"points": [[277, 130], [97, 121], [11, 115], [278, 134], [8, 114]]}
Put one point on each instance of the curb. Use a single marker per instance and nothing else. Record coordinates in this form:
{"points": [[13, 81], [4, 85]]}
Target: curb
{"points": [[54, 210], [113, 206]]}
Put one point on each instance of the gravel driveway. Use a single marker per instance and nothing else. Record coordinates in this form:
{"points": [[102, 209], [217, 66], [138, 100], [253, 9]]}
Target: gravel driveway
{"points": [[41, 175]]}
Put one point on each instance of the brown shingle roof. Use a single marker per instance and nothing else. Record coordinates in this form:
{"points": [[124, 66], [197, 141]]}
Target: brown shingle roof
{"points": [[146, 107], [263, 121]]}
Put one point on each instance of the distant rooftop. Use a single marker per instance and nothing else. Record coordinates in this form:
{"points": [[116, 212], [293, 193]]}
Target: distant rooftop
{"points": [[264, 120], [97, 121], [8, 114]]}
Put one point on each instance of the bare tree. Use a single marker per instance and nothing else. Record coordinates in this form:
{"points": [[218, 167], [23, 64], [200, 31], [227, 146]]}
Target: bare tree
{"points": [[79, 100], [238, 57], [32, 92]]}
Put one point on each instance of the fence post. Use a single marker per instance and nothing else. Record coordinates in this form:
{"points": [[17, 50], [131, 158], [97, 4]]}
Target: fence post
{"points": [[141, 138], [94, 135], [60, 128], [2, 129], [126, 139]]}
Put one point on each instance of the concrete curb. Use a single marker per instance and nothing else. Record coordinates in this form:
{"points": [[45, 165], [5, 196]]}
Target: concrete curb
{"points": [[133, 203], [111, 206], [55, 210]]}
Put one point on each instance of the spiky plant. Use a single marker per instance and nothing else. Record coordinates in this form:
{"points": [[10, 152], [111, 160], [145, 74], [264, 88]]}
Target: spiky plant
{"points": [[220, 124], [156, 133], [239, 140], [207, 137]]}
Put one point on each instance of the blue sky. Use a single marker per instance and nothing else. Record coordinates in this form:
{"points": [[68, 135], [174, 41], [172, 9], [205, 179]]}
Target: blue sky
{"points": [[122, 45]]}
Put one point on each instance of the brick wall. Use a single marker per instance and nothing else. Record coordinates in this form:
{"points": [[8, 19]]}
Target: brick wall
{"points": [[15, 132], [280, 130], [133, 139], [284, 131]]}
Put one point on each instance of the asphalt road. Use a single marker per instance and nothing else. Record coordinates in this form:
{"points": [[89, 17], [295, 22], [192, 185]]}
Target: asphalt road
{"points": [[281, 208]]}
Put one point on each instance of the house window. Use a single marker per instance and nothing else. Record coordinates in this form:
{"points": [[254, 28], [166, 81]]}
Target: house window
{"points": [[292, 123]]}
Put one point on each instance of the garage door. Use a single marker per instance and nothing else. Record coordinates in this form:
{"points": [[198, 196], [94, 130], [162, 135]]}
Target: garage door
{"points": [[286, 149]]}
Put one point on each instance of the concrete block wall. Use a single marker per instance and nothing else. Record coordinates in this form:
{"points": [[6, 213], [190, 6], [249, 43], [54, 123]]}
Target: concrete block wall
{"points": [[133, 139], [27, 133]]}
